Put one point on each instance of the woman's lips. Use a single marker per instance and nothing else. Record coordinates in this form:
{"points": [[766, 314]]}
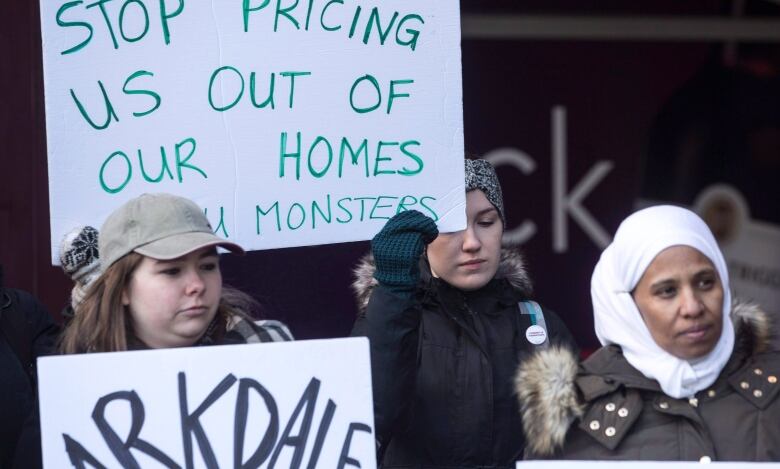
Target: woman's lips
{"points": [[194, 310], [696, 332], [472, 264]]}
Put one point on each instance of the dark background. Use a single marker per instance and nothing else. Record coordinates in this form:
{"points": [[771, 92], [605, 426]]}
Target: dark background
{"points": [[613, 91]]}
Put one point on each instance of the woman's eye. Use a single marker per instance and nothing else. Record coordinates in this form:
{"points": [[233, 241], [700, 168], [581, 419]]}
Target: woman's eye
{"points": [[666, 292], [209, 266], [173, 271], [486, 223], [706, 283]]}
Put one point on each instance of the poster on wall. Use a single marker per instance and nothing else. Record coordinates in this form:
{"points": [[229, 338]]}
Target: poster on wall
{"points": [[220, 406], [290, 123]]}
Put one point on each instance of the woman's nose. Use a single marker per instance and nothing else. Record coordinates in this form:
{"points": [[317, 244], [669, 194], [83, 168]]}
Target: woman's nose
{"points": [[194, 283], [691, 303], [471, 241]]}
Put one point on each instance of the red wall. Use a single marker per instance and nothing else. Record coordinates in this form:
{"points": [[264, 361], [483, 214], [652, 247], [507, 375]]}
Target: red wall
{"points": [[24, 197]]}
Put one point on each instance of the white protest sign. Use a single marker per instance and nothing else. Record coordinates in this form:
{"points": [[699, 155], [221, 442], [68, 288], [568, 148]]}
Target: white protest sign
{"points": [[293, 404], [642, 465], [290, 122]]}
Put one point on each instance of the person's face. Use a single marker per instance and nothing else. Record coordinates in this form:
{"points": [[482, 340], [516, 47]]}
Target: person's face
{"points": [[171, 303], [469, 259], [680, 297]]}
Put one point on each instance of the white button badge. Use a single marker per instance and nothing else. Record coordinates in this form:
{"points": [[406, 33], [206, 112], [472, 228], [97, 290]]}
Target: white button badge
{"points": [[536, 334]]}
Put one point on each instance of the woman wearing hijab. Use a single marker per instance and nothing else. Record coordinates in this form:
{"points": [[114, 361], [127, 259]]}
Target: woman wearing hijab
{"points": [[683, 374]]}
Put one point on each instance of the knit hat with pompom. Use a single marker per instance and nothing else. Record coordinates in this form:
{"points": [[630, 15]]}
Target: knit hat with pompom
{"points": [[80, 260]]}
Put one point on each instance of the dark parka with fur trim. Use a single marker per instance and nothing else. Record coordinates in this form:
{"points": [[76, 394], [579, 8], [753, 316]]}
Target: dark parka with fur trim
{"points": [[442, 364], [606, 409]]}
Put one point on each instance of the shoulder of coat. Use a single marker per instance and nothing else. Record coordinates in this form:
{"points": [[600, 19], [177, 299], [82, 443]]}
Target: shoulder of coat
{"points": [[512, 268], [610, 418], [757, 380], [363, 280], [545, 387], [754, 328]]}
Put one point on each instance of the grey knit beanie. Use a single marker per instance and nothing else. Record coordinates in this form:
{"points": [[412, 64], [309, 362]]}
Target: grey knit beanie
{"points": [[481, 175]]}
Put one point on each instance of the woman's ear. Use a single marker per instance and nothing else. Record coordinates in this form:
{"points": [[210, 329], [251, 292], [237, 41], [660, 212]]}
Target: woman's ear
{"points": [[125, 296]]}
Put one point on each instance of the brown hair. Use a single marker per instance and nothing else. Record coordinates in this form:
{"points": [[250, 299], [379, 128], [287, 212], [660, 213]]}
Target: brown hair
{"points": [[101, 322]]}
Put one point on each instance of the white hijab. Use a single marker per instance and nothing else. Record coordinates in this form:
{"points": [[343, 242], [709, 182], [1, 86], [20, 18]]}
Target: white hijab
{"points": [[639, 239]]}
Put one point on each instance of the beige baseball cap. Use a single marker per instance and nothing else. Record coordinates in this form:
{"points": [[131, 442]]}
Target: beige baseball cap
{"points": [[161, 226]]}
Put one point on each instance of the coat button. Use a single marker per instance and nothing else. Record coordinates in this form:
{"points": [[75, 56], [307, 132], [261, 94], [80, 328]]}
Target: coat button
{"points": [[610, 407], [610, 431], [664, 405], [694, 402], [595, 425], [758, 393], [772, 379], [711, 393], [758, 372], [744, 385], [705, 459], [623, 412]]}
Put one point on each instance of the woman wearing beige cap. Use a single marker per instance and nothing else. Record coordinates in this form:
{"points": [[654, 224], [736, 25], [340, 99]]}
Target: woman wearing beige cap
{"points": [[161, 285]]}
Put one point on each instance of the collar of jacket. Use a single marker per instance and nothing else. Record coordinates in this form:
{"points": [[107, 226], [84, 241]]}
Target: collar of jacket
{"points": [[554, 391], [493, 298], [511, 270]]}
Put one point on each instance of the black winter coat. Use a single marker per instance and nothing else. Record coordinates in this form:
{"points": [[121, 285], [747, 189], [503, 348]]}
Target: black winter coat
{"points": [[443, 362], [26, 329]]}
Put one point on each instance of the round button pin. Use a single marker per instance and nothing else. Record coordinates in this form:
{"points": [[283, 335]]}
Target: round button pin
{"points": [[536, 334]]}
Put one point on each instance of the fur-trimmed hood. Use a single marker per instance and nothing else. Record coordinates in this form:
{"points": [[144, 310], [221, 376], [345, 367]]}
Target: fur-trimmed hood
{"points": [[511, 267], [549, 398]]}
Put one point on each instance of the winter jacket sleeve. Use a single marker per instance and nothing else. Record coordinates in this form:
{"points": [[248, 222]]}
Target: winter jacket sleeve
{"points": [[559, 333], [391, 322], [28, 449], [34, 334], [44, 331]]}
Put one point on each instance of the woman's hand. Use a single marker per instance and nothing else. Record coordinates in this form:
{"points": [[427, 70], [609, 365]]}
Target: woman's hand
{"points": [[397, 248]]}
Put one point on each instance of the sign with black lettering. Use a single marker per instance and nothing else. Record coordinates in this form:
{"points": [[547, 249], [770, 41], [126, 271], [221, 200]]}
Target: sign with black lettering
{"points": [[303, 404], [290, 122], [644, 464]]}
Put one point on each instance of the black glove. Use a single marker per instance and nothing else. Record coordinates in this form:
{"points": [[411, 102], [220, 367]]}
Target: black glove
{"points": [[397, 248]]}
